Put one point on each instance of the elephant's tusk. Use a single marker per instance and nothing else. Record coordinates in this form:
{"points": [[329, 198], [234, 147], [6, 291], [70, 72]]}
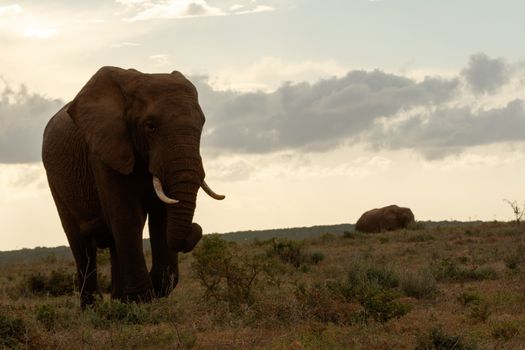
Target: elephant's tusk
{"points": [[157, 185], [210, 192]]}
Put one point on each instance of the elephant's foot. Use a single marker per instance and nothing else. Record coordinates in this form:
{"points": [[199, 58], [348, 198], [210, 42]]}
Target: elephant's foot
{"points": [[140, 292], [163, 283], [89, 298]]}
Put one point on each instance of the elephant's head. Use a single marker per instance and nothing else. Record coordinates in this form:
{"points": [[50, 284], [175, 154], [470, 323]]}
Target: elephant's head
{"points": [[130, 118]]}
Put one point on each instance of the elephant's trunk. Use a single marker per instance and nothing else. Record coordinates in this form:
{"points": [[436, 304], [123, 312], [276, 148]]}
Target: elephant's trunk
{"points": [[181, 183], [182, 233]]}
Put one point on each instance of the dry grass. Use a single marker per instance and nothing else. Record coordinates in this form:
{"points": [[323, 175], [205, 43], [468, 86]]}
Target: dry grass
{"points": [[422, 288]]}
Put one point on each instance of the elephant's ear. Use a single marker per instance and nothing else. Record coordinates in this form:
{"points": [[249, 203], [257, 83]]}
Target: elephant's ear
{"points": [[98, 111]]}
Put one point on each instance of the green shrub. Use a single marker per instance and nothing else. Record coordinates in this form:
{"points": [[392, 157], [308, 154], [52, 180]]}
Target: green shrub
{"points": [[12, 332], [436, 339], [225, 274], [104, 313], [447, 270], [418, 284], [55, 284], [325, 304], [46, 315], [316, 257], [381, 304], [350, 235], [382, 276], [374, 287], [287, 251]]}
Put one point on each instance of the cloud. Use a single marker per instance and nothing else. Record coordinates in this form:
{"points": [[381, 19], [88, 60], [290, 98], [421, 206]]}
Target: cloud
{"points": [[451, 130], [269, 72], [40, 32], [485, 75], [156, 9], [160, 59], [124, 44], [314, 117], [23, 116], [10, 10], [434, 116]]}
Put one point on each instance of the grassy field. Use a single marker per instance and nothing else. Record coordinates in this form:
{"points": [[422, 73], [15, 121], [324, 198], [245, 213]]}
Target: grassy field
{"points": [[442, 287]]}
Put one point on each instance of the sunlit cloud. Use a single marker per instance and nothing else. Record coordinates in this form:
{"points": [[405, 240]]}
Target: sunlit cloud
{"points": [[268, 73], [147, 10], [40, 32], [125, 44], [10, 10], [160, 59]]}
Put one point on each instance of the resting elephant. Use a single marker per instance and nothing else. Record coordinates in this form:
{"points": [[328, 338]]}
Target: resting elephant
{"points": [[387, 218], [127, 148]]}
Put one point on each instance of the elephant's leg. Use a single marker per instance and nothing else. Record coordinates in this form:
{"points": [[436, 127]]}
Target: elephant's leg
{"points": [[164, 269], [117, 285], [84, 253], [128, 270], [120, 198]]}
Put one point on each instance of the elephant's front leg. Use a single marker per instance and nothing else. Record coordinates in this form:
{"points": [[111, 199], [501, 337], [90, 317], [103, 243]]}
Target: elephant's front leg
{"points": [[164, 269], [132, 281], [120, 198]]}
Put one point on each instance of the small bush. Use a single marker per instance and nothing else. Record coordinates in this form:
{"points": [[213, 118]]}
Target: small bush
{"points": [[419, 284], [374, 287], [350, 235], [106, 312], [56, 284], [383, 277], [287, 251], [447, 270], [225, 274], [46, 315], [381, 305], [325, 304], [316, 257], [12, 332], [436, 339]]}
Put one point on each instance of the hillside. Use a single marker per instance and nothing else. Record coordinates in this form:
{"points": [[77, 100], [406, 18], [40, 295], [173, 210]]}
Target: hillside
{"points": [[295, 233], [27, 255]]}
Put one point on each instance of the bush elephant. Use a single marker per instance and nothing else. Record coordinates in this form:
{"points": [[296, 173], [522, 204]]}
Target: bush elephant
{"points": [[387, 218], [128, 147]]}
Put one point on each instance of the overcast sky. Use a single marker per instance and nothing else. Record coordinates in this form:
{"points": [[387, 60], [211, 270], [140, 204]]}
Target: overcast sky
{"points": [[316, 110]]}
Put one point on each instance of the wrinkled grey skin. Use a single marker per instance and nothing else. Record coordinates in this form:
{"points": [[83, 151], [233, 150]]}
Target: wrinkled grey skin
{"points": [[100, 152], [387, 218]]}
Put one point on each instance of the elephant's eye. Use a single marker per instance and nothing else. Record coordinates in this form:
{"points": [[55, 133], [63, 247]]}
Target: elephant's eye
{"points": [[150, 126]]}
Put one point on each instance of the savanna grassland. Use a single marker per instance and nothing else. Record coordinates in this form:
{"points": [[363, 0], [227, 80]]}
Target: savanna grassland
{"points": [[444, 287]]}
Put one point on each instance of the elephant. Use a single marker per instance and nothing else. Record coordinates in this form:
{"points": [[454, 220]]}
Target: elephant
{"points": [[127, 148], [388, 218]]}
